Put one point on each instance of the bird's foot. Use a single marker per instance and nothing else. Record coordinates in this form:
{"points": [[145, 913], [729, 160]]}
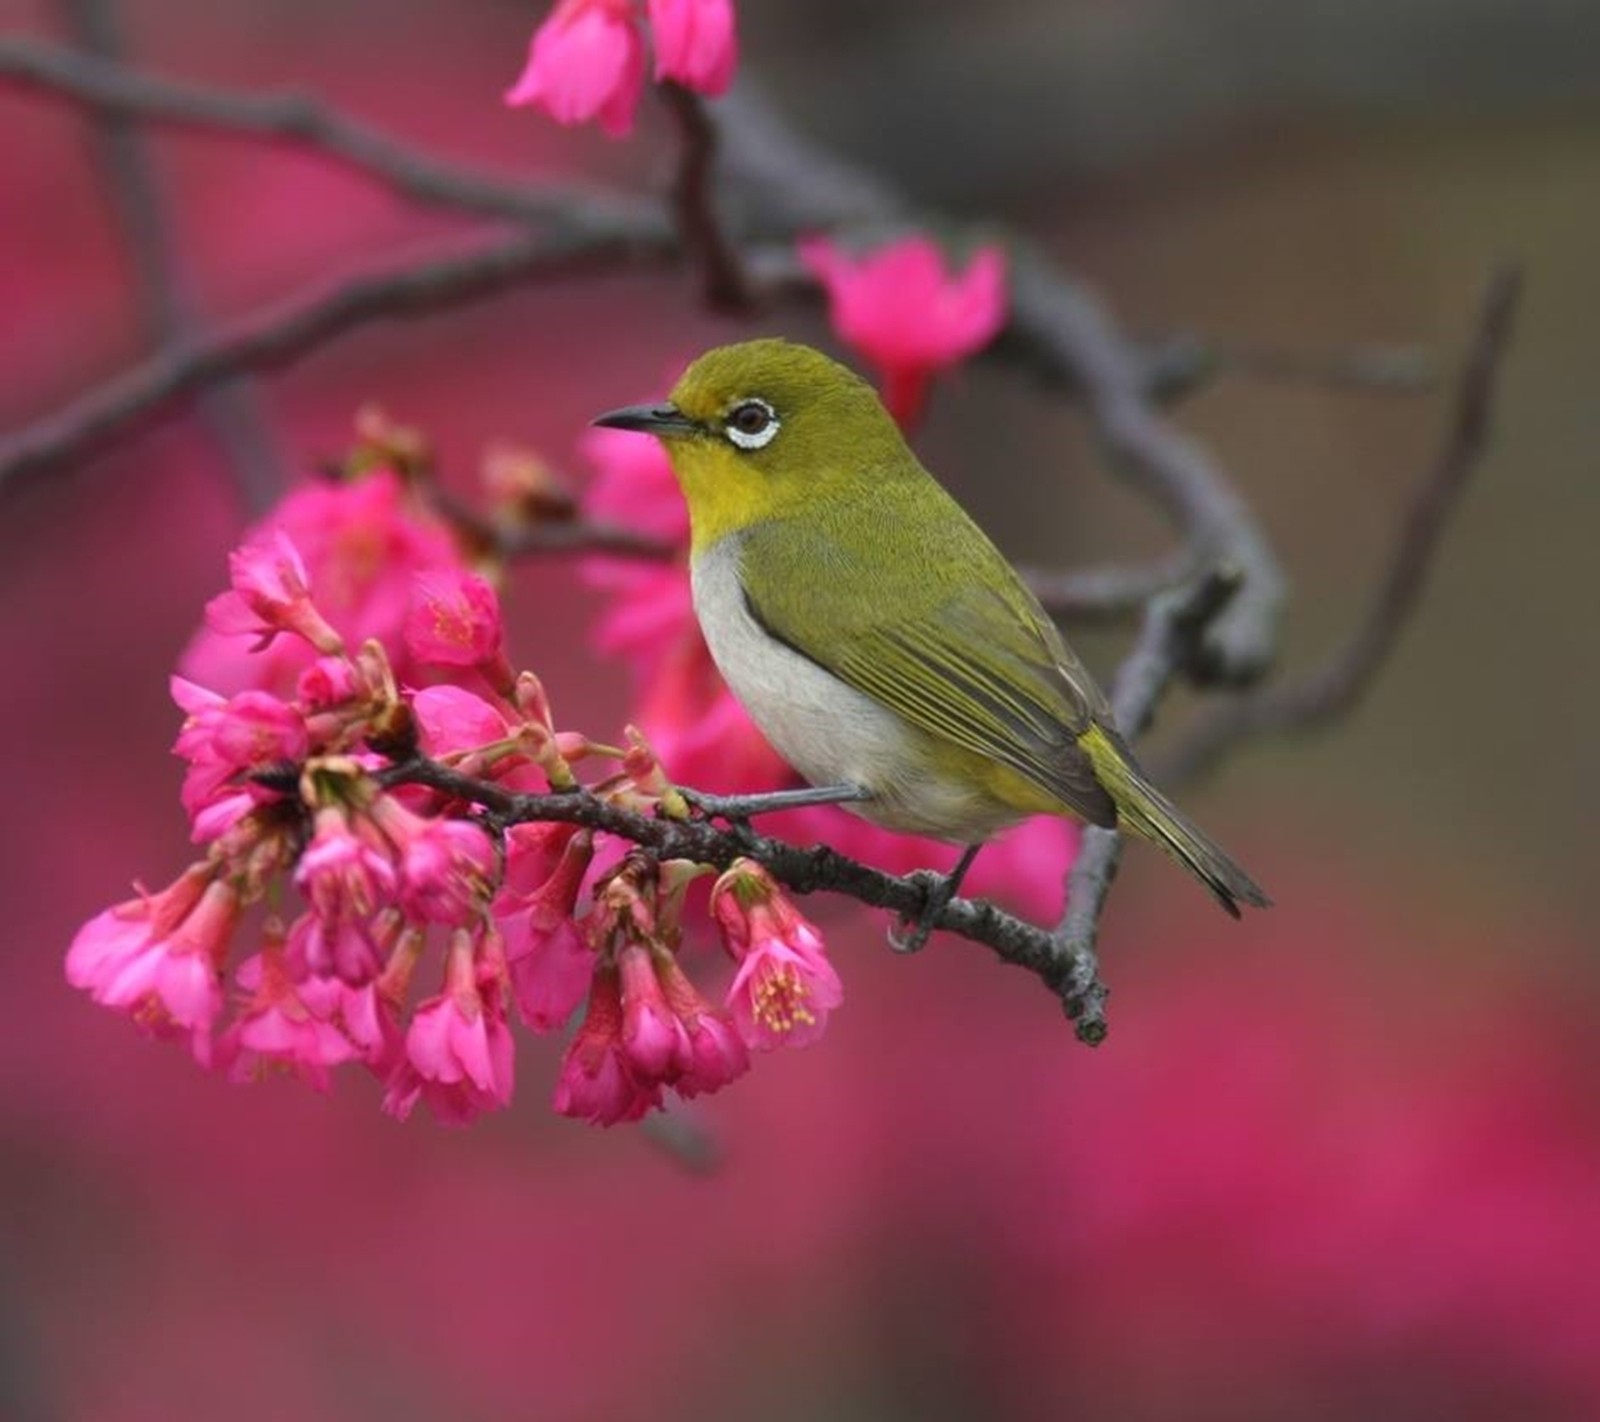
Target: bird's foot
{"points": [[910, 935]]}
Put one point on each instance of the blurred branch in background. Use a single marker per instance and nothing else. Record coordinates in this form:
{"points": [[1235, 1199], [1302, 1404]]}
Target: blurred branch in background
{"points": [[1168, 644], [1220, 628], [1335, 686], [295, 327], [229, 409]]}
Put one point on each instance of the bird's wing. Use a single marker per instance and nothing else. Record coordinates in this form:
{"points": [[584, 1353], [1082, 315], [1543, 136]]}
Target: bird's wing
{"points": [[969, 658]]}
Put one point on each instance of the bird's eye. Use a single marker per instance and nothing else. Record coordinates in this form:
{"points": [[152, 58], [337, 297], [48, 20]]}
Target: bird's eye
{"points": [[751, 424]]}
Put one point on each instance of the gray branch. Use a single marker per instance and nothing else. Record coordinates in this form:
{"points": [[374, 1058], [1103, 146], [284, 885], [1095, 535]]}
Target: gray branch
{"points": [[231, 410], [1333, 687], [301, 122], [808, 870], [289, 330]]}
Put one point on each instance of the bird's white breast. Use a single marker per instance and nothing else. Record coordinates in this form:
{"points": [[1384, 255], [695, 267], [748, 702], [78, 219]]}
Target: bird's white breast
{"points": [[827, 730]]}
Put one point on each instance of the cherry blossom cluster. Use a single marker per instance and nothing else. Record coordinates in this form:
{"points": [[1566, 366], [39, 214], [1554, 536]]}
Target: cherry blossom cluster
{"points": [[399, 927], [353, 637], [587, 59]]}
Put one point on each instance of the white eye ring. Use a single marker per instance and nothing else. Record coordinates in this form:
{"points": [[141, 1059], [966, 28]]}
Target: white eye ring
{"points": [[758, 438]]}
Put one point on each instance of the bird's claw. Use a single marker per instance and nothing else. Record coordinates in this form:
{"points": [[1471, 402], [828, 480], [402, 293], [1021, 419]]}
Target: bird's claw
{"points": [[911, 935]]}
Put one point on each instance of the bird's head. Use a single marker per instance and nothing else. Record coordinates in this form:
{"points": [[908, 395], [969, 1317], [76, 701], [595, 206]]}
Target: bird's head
{"points": [[765, 429]]}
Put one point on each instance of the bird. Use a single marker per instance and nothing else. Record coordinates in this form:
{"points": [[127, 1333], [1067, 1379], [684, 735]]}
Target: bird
{"points": [[878, 639]]}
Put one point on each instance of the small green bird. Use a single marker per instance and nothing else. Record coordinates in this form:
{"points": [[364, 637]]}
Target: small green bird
{"points": [[879, 640]]}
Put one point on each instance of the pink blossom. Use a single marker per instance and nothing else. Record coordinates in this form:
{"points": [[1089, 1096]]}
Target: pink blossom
{"points": [[371, 1023], [695, 42], [458, 1048], [115, 936], [901, 309], [546, 957], [454, 621], [650, 620], [586, 61], [785, 987], [446, 864], [550, 968], [446, 870], [222, 812], [271, 593], [159, 958], [278, 1027], [597, 1083], [711, 1051], [534, 851], [651, 1033], [222, 738], [361, 541], [363, 1003], [328, 682], [337, 946], [451, 719], [342, 873]]}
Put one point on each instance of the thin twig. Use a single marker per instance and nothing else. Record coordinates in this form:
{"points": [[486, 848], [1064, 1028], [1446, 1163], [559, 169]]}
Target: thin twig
{"points": [[559, 528], [230, 409], [588, 536], [694, 204], [301, 122], [1174, 627], [1337, 684], [1104, 594], [1068, 331], [290, 329], [1176, 366]]}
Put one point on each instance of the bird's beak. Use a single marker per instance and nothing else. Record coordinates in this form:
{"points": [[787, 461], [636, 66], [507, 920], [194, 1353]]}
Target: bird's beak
{"points": [[667, 421]]}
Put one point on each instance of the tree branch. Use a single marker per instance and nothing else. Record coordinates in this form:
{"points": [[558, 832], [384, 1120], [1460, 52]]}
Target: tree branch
{"points": [[285, 331], [1107, 593], [1067, 332], [230, 410], [1337, 684], [694, 203], [1177, 366], [298, 121], [803, 870], [1173, 633]]}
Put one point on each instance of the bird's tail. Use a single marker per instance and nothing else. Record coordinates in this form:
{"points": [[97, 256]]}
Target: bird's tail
{"points": [[1148, 813]]}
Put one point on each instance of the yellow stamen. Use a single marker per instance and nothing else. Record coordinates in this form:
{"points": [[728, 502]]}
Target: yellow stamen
{"points": [[779, 999]]}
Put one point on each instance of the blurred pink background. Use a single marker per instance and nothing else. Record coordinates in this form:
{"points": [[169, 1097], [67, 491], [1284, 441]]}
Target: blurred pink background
{"points": [[1342, 1161]]}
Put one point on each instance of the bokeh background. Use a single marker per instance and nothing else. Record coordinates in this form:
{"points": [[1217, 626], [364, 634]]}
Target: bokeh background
{"points": [[1340, 1162]]}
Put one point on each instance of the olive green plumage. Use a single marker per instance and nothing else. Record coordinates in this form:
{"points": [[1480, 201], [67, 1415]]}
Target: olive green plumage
{"points": [[963, 651], [807, 504]]}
